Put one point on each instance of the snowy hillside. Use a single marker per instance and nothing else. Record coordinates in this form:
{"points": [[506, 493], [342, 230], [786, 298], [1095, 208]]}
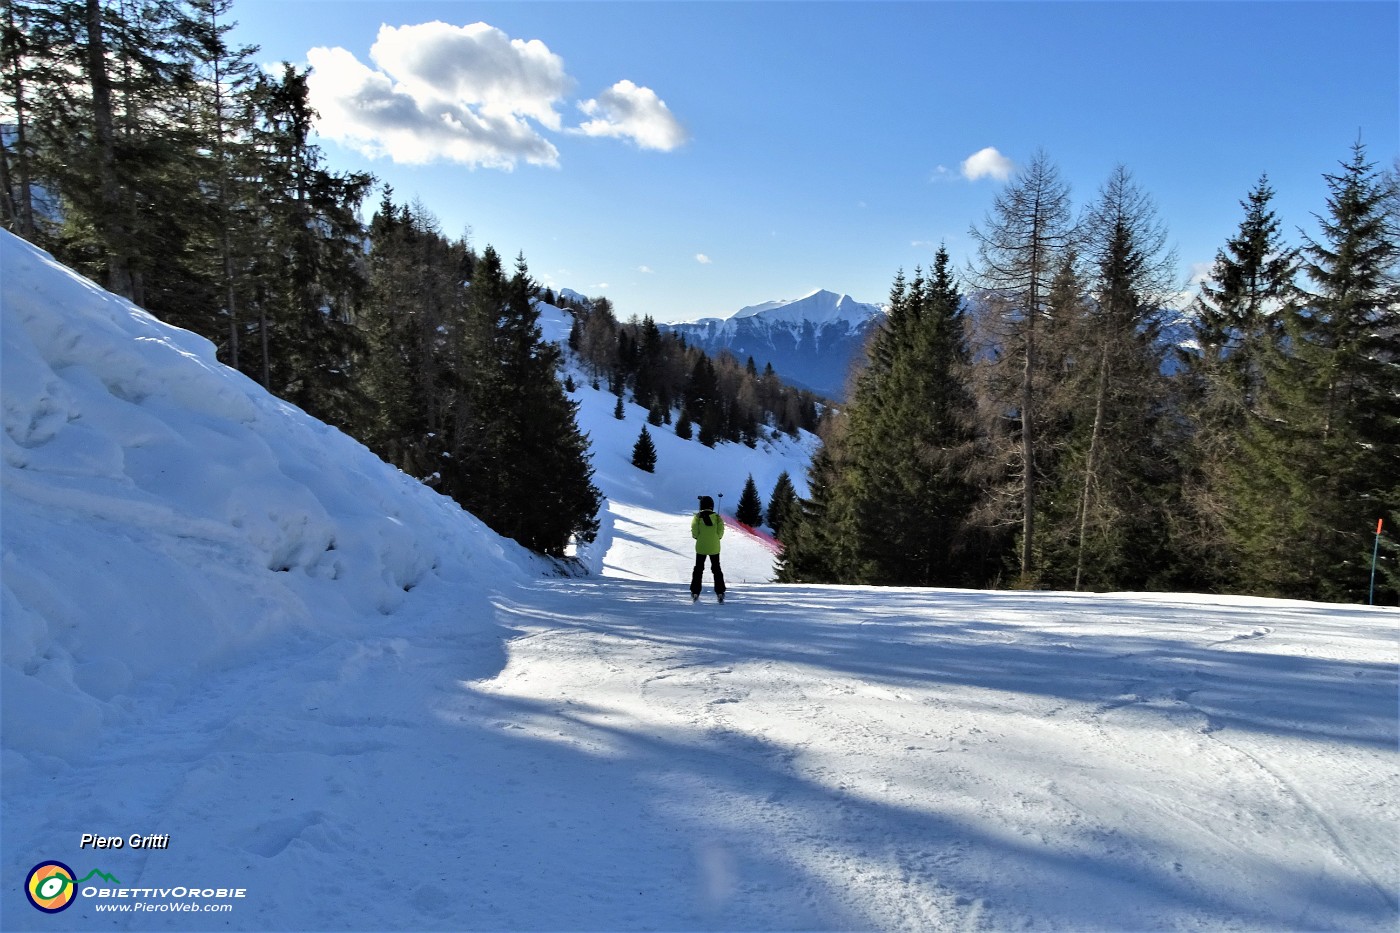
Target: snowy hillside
{"points": [[646, 517], [331, 700], [164, 517], [810, 341]]}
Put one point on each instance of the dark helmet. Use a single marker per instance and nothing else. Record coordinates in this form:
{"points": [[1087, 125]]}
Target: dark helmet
{"points": [[707, 503]]}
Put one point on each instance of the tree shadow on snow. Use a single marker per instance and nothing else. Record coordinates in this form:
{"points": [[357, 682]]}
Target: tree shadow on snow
{"points": [[613, 823]]}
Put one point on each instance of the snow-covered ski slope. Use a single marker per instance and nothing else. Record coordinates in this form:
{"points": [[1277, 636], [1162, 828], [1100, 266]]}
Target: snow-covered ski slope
{"points": [[342, 695]]}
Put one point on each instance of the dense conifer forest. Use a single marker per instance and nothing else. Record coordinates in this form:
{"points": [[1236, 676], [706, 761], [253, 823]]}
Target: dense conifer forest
{"points": [[1054, 418]]}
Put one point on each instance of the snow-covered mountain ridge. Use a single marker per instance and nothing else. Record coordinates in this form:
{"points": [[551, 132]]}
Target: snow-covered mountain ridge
{"points": [[820, 307], [810, 341], [341, 695]]}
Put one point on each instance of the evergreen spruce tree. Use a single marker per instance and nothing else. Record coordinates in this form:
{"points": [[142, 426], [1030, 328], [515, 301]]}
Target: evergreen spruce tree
{"points": [[112, 167], [419, 345], [25, 71], [619, 412], [225, 75], [702, 401], [683, 426], [646, 381], [308, 276], [1237, 308], [1318, 464], [818, 533], [644, 452], [908, 442], [1237, 323], [538, 472], [750, 511], [781, 503]]}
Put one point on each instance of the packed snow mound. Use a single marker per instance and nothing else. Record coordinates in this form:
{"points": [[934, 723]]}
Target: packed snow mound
{"points": [[163, 515]]}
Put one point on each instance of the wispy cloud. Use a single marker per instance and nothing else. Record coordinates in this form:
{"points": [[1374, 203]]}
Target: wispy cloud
{"points": [[987, 163], [703, 259], [467, 94]]}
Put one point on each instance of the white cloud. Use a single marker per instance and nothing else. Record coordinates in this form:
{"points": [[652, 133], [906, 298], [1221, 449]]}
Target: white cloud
{"points": [[467, 94], [476, 65], [630, 112], [368, 111], [703, 259], [987, 163], [646, 270]]}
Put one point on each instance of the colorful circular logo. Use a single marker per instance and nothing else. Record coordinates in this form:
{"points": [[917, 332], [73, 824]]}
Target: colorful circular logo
{"points": [[50, 887]]}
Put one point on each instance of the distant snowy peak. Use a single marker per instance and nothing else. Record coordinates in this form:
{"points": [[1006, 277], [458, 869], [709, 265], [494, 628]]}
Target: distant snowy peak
{"points": [[569, 295], [821, 308], [810, 341]]}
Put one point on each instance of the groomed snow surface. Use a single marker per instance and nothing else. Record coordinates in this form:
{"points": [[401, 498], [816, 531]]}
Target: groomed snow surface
{"points": [[338, 692]]}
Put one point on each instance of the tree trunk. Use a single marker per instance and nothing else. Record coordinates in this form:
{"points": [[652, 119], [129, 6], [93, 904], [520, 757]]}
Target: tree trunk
{"points": [[19, 195], [111, 222], [1089, 465]]}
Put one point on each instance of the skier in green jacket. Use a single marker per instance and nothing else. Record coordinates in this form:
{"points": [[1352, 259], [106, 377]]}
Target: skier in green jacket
{"points": [[707, 527]]}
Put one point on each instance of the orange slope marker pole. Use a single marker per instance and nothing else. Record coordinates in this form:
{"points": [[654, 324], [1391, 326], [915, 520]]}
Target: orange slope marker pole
{"points": [[1375, 553]]}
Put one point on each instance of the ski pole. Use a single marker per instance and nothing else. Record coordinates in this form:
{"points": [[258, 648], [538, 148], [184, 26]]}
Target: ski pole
{"points": [[1375, 553]]}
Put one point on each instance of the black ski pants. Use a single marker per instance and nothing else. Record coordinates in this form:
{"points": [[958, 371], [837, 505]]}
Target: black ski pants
{"points": [[699, 573]]}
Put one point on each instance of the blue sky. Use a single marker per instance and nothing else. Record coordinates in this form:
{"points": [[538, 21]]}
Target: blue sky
{"points": [[687, 159]]}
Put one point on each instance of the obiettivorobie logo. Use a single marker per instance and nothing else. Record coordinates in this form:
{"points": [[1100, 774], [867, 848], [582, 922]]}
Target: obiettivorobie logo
{"points": [[53, 886]]}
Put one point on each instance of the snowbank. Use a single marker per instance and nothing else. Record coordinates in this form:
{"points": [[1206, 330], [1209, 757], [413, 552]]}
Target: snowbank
{"points": [[163, 515]]}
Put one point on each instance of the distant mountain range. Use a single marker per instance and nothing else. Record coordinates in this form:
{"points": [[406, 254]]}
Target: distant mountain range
{"points": [[811, 341]]}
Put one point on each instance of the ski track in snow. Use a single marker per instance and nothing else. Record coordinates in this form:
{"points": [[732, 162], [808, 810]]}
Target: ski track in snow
{"points": [[335, 690], [798, 758]]}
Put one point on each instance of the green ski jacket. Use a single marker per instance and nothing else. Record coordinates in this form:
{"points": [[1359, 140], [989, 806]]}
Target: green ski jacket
{"points": [[707, 528]]}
